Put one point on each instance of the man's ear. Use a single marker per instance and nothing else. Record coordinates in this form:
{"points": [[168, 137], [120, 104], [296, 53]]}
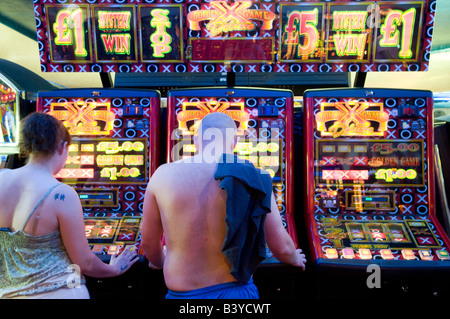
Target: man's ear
{"points": [[62, 148], [235, 141], [196, 142]]}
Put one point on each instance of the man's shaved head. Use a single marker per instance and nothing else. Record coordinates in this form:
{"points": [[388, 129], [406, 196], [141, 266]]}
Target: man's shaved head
{"points": [[217, 120], [217, 128]]}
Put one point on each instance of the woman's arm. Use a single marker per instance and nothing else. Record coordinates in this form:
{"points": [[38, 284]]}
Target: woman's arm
{"points": [[71, 225]]}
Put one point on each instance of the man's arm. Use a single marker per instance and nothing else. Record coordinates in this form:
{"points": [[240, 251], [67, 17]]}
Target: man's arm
{"points": [[279, 241], [152, 230]]}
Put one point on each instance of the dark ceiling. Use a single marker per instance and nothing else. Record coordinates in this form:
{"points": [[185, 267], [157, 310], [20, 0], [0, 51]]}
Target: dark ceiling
{"points": [[19, 15]]}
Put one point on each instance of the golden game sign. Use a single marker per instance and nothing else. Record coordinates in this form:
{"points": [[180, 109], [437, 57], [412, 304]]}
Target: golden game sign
{"points": [[193, 112], [351, 118], [84, 118]]}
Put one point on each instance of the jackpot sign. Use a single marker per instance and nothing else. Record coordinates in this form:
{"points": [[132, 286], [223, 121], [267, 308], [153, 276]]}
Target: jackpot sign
{"points": [[234, 36], [351, 118], [83, 117], [190, 116]]}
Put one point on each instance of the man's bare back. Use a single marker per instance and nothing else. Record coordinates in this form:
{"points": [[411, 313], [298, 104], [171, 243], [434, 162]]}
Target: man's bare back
{"points": [[190, 202], [184, 201]]}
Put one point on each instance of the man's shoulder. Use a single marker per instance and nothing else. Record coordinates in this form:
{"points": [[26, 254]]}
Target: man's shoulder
{"points": [[166, 167], [165, 170]]}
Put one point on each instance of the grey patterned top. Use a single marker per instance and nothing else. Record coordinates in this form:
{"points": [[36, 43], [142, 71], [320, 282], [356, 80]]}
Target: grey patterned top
{"points": [[31, 265]]}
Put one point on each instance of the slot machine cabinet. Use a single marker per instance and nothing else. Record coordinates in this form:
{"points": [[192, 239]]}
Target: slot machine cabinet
{"points": [[114, 151], [370, 194], [264, 121]]}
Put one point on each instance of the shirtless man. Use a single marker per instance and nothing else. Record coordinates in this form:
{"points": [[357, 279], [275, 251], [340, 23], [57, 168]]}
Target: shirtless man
{"points": [[184, 201]]}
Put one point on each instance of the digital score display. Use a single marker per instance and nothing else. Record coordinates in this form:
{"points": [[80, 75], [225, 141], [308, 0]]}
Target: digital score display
{"points": [[264, 155], [114, 133], [106, 161], [373, 191], [238, 36], [260, 146], [232, 50], [373, 162], [98, 197]]}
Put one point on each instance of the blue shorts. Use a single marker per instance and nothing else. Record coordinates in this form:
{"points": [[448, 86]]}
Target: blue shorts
{"points": [[229, 290]]}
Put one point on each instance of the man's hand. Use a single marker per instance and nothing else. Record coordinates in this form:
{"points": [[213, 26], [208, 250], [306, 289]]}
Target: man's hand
{"points": [[301, 259]]}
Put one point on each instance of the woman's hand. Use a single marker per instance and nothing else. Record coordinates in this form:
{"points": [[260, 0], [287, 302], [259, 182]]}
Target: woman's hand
{"points": [[123, 261]]}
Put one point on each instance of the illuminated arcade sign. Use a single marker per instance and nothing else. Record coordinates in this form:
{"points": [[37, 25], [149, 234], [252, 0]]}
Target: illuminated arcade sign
{"points": [[84, 117], [106, 160], [223, 17], [115, 33], [263, 153], [193, 112], [235, 36], [9, 118], [371, 162], [351, 118], [6, 94]]}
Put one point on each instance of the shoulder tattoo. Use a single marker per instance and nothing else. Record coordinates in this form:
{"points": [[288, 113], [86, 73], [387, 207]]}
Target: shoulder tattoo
{"points": [[60, 196]]}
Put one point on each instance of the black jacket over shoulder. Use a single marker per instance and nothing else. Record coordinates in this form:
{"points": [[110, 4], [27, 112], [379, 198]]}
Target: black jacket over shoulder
{"points": [[249, 192]]}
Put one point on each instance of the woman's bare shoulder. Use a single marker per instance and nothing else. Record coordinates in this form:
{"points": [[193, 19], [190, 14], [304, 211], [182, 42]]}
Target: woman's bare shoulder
{"points": [[66, 191]]}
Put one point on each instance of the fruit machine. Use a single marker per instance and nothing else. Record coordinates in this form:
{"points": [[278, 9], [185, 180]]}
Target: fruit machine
{"points": [[442, 156], [264, 121], [115, 137], [370, 193], [114, 151]]}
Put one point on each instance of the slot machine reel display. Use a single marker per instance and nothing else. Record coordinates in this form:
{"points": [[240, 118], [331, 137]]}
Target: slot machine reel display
{"points": [[115, 136], [264, 121], [370, 193]]}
